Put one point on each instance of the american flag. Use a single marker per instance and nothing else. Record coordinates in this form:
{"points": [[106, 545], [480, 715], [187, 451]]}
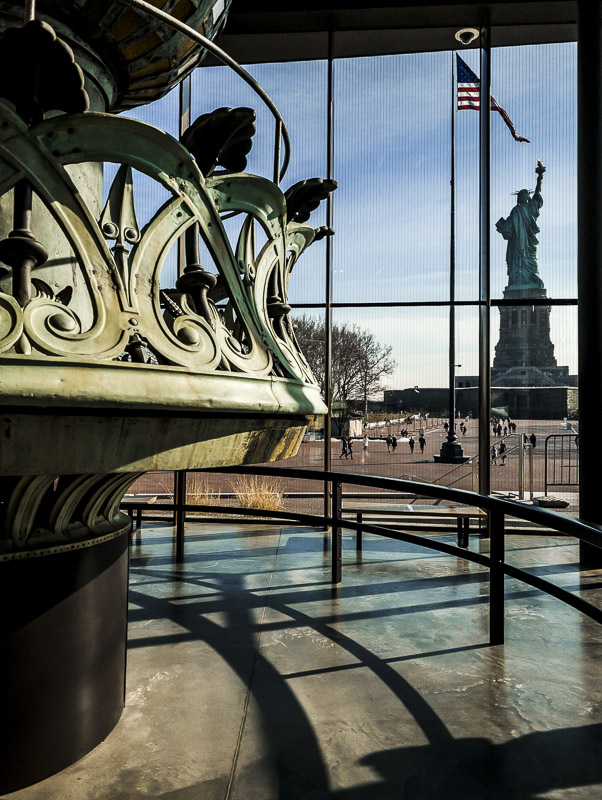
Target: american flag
{"points": [[469, 95]]}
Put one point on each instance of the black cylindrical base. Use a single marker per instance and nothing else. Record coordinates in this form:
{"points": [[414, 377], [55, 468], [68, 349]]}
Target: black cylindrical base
{"points": [[451, 453], [62, 665]]}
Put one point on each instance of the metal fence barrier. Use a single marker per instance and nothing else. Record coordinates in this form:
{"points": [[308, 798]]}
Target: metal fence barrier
{"points": [[561, 460]]}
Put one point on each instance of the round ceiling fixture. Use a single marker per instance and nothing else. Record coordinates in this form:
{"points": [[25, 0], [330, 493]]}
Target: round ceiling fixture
{"points": [[467, 35]]}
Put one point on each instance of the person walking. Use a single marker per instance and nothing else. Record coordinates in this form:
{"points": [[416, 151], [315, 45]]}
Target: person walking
{"points": [[493, 454], [365, 443], [505, 431], [533, 440], [350, 446], [411, 443], [502, 453], [394, 443], [343, 447], [389, 443], [422, 442], [446, 427], [464, 429]]}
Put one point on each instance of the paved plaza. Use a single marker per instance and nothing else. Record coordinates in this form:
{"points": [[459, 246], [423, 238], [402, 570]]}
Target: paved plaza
{"points": [[377, 460], [402, 463], [249, 677]]}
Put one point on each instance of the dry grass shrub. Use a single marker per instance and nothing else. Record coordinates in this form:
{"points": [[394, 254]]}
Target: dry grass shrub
{"points": [[168, 489], [257, 491], [200, 492]]}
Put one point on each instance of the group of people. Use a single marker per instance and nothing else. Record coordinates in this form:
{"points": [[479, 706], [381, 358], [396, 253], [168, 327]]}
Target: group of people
{"points": [[503, 430], [392, 442], [347, 446], [532, 439], [499, 452]]}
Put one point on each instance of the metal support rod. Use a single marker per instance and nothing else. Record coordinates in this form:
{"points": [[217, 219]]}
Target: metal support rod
{"points": [[545, 465], [180, 498], [530, 473], [30, 10], [184, 104], [277, 144], [328, 267], [337, 533], [197, 37], [22, 206], [358, 533], [484, 266], [496, 578], [589, 214], [23, 200]]}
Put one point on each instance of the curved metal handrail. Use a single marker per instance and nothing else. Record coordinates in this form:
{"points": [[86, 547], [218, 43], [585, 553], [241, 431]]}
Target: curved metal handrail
{"points": [[579, 529], [496, 507], [281, 130]]}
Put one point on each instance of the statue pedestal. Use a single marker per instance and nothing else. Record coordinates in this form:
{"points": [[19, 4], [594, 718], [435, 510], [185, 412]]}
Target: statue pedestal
{"points": [[524, 333]]}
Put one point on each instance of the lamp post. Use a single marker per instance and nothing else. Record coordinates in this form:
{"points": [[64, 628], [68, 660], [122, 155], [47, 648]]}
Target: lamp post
{"points": [[451, 450]]}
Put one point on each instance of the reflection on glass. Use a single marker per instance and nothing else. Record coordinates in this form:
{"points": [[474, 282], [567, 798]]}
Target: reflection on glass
{"points": [[392, 224]]}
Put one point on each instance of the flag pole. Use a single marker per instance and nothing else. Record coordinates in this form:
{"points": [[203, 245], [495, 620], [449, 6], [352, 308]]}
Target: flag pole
{"points": [[451, 450], [452, 267]]}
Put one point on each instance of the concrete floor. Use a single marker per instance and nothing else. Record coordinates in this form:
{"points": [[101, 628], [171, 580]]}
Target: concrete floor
{"points": [[248, 678]]}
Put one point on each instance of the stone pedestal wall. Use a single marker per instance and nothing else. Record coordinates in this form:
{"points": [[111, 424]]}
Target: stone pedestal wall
{"points": [[524, 333]]}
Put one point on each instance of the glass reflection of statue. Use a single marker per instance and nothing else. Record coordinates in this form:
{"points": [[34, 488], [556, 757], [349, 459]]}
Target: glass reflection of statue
{"points": [[520, 229]]}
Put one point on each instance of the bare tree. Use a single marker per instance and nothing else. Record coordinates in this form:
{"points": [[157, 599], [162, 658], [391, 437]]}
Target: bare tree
{"points": [[359, 361]]}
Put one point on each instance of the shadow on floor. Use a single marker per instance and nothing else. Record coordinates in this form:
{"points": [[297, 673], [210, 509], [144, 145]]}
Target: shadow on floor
{"points": [[445, 769], [475, 769]]}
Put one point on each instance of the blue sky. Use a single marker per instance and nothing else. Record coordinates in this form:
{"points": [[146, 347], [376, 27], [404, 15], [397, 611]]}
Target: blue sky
{"points": [[392, 161]]}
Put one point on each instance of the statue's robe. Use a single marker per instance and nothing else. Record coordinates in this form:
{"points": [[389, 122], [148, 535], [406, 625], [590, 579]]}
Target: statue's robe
{"points": [[520, 230]]}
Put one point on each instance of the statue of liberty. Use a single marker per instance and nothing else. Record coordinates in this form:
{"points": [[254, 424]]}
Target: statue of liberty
{"points": [[520, 230]]}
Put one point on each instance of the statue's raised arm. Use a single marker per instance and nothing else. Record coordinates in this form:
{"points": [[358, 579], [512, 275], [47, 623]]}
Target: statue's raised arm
{"points": [[520, 229], [539, 169]]}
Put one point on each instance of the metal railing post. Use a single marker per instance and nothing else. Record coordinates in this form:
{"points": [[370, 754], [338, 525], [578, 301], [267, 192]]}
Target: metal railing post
{"points": [[496, 578], [475, 475], [545, 466], [521, 469], [531, 473], [328, 276], [337, 533], [180, 498]]}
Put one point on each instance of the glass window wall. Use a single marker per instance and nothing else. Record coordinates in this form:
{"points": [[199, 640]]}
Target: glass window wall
{"points": [[391, 251]]}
